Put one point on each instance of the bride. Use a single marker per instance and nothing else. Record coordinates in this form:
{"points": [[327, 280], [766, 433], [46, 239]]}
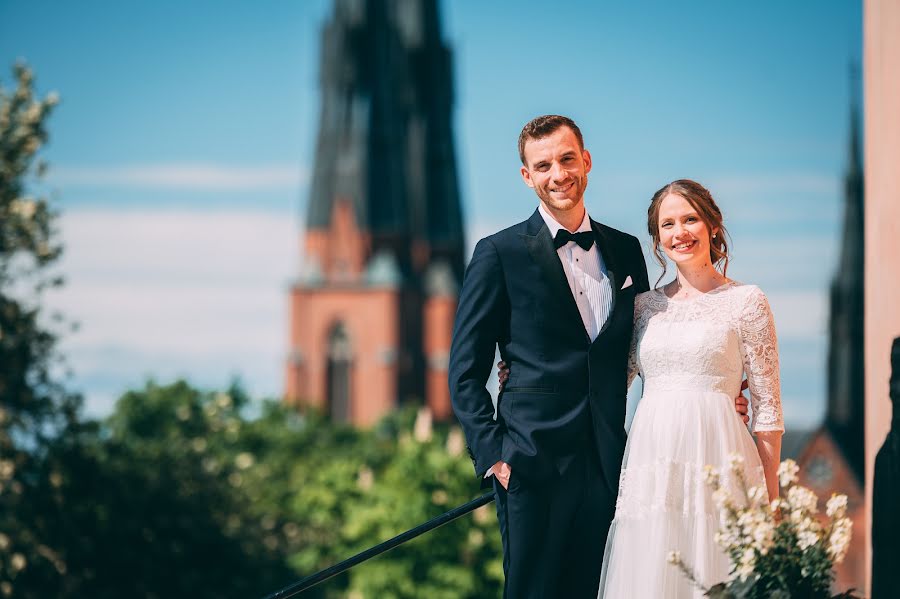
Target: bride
{"points": [[694, 338]]}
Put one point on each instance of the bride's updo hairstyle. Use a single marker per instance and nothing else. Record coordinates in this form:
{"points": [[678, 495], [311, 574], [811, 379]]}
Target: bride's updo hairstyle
{"points": [[703, 202]]}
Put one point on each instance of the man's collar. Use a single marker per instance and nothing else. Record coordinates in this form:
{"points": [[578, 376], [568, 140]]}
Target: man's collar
{"points": [[554, 226]]}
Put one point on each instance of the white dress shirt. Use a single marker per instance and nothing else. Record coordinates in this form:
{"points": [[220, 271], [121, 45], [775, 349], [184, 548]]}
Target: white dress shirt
{"points": [[586, 274]]}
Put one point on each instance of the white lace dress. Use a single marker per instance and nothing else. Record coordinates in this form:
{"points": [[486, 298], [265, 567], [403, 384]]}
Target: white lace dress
{"points": [[691, 355]]}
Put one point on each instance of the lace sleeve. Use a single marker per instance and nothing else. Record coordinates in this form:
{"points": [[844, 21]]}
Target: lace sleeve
{"points": [[633, 369], [759, 352]]}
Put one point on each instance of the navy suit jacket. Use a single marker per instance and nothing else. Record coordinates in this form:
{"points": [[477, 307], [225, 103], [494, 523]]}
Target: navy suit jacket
{"points": [[562, 387]]}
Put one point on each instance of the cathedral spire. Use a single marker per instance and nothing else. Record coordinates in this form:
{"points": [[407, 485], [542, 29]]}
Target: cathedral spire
{"points": [[372, 310], [846, 353], [385, 142]]}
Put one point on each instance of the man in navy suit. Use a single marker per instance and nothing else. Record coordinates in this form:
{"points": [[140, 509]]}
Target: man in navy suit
{"points": [[556, 293]]}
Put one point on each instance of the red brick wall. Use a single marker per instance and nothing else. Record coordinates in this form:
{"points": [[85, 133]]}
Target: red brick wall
{"points": [[438, 330], [852, 572], [370, 317]]}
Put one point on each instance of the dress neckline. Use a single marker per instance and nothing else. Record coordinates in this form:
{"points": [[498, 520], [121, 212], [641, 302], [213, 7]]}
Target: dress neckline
{"points": [[688, 300]]}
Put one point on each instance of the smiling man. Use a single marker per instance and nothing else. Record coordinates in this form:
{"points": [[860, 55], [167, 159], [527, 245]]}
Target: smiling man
{"points": [[556, 293]]}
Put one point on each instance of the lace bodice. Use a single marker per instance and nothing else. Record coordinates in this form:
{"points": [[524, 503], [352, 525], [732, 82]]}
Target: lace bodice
{"points": [[707, 343]]}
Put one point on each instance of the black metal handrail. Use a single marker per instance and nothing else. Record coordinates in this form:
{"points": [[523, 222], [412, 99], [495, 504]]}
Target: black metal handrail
{"points": [[323, 575]]}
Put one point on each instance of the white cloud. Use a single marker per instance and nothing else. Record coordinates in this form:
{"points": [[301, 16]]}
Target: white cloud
{"points": [[193, 176], [775, 183], [176, 293]]}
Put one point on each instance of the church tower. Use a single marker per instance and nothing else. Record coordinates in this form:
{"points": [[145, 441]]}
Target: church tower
{"points": [[846, 349], [372, 311]]}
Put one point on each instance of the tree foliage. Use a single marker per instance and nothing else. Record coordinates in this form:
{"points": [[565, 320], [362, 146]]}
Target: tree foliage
{"points": [[34, 407], [190, 493]]}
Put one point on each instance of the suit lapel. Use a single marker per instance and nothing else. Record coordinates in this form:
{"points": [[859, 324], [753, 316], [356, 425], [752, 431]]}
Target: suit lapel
{"points": [[540, 246]]}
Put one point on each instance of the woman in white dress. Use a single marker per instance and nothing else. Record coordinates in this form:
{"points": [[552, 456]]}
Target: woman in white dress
{"points": [[694, 338]]}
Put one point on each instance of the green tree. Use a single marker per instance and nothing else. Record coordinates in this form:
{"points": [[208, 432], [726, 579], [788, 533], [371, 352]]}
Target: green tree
{"points": [[158, 504], [34, 406]]}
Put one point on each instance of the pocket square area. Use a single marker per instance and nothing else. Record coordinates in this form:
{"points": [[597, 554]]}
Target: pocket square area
{"points": [[627, 283]]}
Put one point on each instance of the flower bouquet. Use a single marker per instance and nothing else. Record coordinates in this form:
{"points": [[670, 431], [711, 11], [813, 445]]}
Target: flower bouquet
{"points": [[778, 549]]}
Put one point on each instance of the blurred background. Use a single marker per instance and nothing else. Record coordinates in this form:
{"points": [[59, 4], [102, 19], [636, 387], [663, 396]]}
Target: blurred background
{"points": [[201, 156]]}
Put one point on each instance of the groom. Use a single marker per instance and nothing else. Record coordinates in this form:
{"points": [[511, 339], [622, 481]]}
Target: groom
{"points": [[556, 293]]}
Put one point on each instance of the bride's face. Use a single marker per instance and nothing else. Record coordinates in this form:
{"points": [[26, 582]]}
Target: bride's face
{"points": [[683, 235]]}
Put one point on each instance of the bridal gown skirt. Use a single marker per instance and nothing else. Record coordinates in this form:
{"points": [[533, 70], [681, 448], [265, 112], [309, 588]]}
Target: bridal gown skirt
{"points": [[664, 503]]}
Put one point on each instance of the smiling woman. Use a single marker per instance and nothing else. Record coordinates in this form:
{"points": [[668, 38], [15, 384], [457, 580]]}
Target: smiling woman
{"points": [[683, 220], [694, 340]]}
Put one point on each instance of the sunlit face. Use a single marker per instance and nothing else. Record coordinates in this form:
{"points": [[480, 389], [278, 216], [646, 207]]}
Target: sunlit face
{"points": [[556, 168], [683, 235]]}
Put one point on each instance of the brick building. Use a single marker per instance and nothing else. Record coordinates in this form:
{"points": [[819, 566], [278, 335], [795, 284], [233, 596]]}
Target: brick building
{"points": [[371, 313]]}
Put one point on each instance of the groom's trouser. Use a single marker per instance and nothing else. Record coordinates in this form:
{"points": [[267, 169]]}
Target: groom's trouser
{"points": [[554, 531]]}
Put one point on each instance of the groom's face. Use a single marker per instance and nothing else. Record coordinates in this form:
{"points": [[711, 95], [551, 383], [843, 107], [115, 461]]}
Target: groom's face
{"points": [[556, 167]]}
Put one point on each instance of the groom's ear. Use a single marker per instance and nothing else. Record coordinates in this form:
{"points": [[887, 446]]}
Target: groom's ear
{"points": [[586, 156], [526, 176]]}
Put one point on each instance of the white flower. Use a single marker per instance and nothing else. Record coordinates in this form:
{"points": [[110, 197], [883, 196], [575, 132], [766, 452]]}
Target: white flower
{"points": [[736, 463], [674, 557], [244, 460], [455, 442], [720, 497], [25, 208], [758, 495], [365, 479], [476, 538], [837, 505], [763, 533], [223, 400], [7, 469], [422, 427], [727, 538], [802, 498], [52, 98], [839, 540], [806, 539], [711, 475], [31, 145], [183, 412], [805, 523], [482, 515], [4, 542], [18, 562], [787, 472], [747, 563]]}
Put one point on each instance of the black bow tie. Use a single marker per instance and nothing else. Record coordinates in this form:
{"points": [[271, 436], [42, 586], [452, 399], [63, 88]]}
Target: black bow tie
{"points": [[585, 239]]}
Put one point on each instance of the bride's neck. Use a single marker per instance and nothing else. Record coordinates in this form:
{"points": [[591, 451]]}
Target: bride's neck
{"points": [[698, 279]]}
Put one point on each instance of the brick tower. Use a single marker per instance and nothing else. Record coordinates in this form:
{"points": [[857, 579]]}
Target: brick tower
{"points": [[372, 311]]}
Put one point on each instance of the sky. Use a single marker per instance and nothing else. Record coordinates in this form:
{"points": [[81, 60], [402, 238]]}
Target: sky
{"points": [[181, 152]]}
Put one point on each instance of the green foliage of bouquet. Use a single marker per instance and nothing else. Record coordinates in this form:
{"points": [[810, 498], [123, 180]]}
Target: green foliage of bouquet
{"points": [[779, 549]]}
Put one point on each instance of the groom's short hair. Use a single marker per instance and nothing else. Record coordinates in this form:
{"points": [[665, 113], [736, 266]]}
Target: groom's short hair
{"points": [[543, 126]]}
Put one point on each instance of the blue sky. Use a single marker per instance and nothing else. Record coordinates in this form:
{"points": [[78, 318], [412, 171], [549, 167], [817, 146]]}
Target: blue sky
{"points": [[182, 149]]}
